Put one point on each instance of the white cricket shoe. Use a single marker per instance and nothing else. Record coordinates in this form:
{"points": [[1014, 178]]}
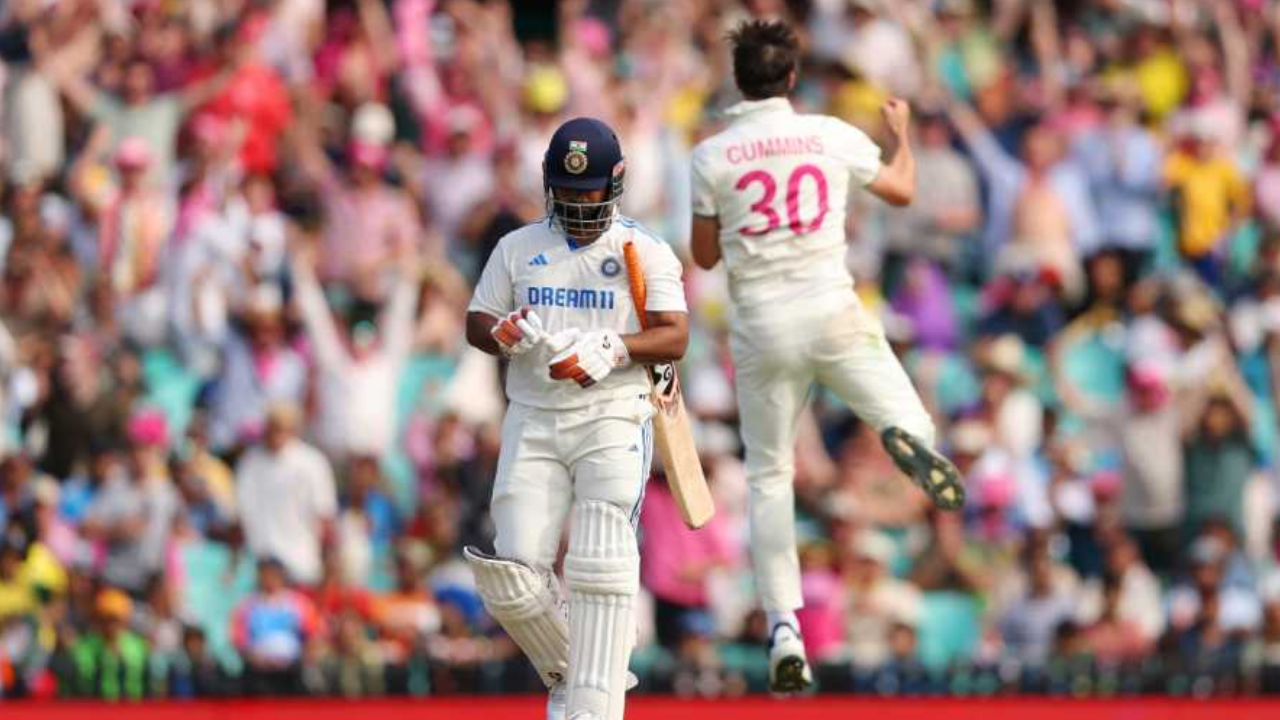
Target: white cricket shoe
{"points": [[557, 701], [788, 669]]}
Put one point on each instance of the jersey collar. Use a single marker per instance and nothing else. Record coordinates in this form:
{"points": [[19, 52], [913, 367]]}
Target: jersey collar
{"points": [[751, 107]]}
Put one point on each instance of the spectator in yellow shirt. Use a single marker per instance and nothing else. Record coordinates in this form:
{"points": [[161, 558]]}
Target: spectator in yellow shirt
{"points": [[1211, 196]]}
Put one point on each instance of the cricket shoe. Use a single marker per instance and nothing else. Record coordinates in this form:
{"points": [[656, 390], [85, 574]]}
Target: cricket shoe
{"points": [[927, 468], [788, 669]]}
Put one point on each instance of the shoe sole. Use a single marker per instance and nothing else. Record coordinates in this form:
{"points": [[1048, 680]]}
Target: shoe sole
{"points": [[789, 677], [932, 472]]}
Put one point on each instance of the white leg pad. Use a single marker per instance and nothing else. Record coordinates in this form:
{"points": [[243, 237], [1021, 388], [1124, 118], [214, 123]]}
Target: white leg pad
{"points": [[527, 604], [602, 571]]}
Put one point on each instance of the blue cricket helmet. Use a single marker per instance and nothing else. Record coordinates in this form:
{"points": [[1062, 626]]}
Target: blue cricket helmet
{"points": [[584, 154]]}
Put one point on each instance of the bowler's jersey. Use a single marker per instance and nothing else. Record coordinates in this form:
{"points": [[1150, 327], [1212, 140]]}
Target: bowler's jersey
{"points": [[779, 182], [575, 287]]}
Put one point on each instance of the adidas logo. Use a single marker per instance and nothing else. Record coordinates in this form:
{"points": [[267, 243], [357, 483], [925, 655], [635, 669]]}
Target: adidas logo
{"points": [[635, 448], [538, 259]]}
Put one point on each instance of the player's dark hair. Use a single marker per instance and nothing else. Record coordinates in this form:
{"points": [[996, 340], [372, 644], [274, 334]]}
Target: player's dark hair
{"points": [[765, 53]]}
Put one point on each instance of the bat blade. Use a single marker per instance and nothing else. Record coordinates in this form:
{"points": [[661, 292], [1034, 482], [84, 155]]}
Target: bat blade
{"points": [[672, 430], [673, 436]]}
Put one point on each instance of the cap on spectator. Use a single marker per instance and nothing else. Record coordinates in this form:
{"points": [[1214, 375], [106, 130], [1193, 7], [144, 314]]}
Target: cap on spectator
{"points": [[416, 555], [45, 491], [1207, 551], [1105, 484], [997, 490], [874, 546], [969, 437], [113, 604], [545, 89], [1005, 356], [133, 154], [1196, 312], [1149, 379], [284, 414], [147, 427], [373, 123], [366, 155], [593, 34]]}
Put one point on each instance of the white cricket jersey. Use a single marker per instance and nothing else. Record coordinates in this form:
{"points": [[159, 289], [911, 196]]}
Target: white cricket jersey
{"points": [[575, 287], [778, 182]]}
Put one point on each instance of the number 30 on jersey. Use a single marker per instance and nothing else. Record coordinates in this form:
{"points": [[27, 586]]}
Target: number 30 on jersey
{"points": [[764, 206]]}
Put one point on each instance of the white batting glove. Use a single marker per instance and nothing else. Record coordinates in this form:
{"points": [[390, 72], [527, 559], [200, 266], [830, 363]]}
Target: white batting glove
{"points": [[558, 342], [518, 333], [591, 358]]}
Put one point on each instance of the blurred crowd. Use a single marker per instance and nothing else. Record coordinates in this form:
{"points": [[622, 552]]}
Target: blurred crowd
{"points": [[243, 441]]}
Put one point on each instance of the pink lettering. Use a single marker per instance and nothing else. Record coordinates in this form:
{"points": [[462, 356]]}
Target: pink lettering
{"points": [[772, 147]]}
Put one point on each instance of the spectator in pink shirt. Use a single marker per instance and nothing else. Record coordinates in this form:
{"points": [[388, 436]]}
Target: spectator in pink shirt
{"points": [[367, 220], [822, 617], [677, 561]]}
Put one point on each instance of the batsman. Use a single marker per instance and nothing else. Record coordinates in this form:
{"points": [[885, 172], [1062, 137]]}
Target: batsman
{"points": [[577, 441]]}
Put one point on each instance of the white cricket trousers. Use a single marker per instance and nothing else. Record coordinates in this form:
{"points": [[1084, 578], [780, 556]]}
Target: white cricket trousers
{"points": [[549, 458], [777, 359]]}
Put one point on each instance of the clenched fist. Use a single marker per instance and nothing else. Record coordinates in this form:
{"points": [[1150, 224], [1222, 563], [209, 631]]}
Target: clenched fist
{"points": [[518, 332], [897, 116]]}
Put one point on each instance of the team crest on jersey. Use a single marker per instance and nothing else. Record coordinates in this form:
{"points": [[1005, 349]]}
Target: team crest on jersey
{"points": [[610, 267], [576, 161]]}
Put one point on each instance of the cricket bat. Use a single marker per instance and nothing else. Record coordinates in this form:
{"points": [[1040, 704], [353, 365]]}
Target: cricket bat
{"points": [[672, 432]]}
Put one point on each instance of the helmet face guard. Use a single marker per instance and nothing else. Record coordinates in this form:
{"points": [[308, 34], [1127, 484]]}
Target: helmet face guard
{"points": [[586, 220]]}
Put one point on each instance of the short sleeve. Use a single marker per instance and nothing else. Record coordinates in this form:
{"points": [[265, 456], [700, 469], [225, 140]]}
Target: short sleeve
{"points": [[494, 294], [664, 287], [704, 198], [856, 151]]}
